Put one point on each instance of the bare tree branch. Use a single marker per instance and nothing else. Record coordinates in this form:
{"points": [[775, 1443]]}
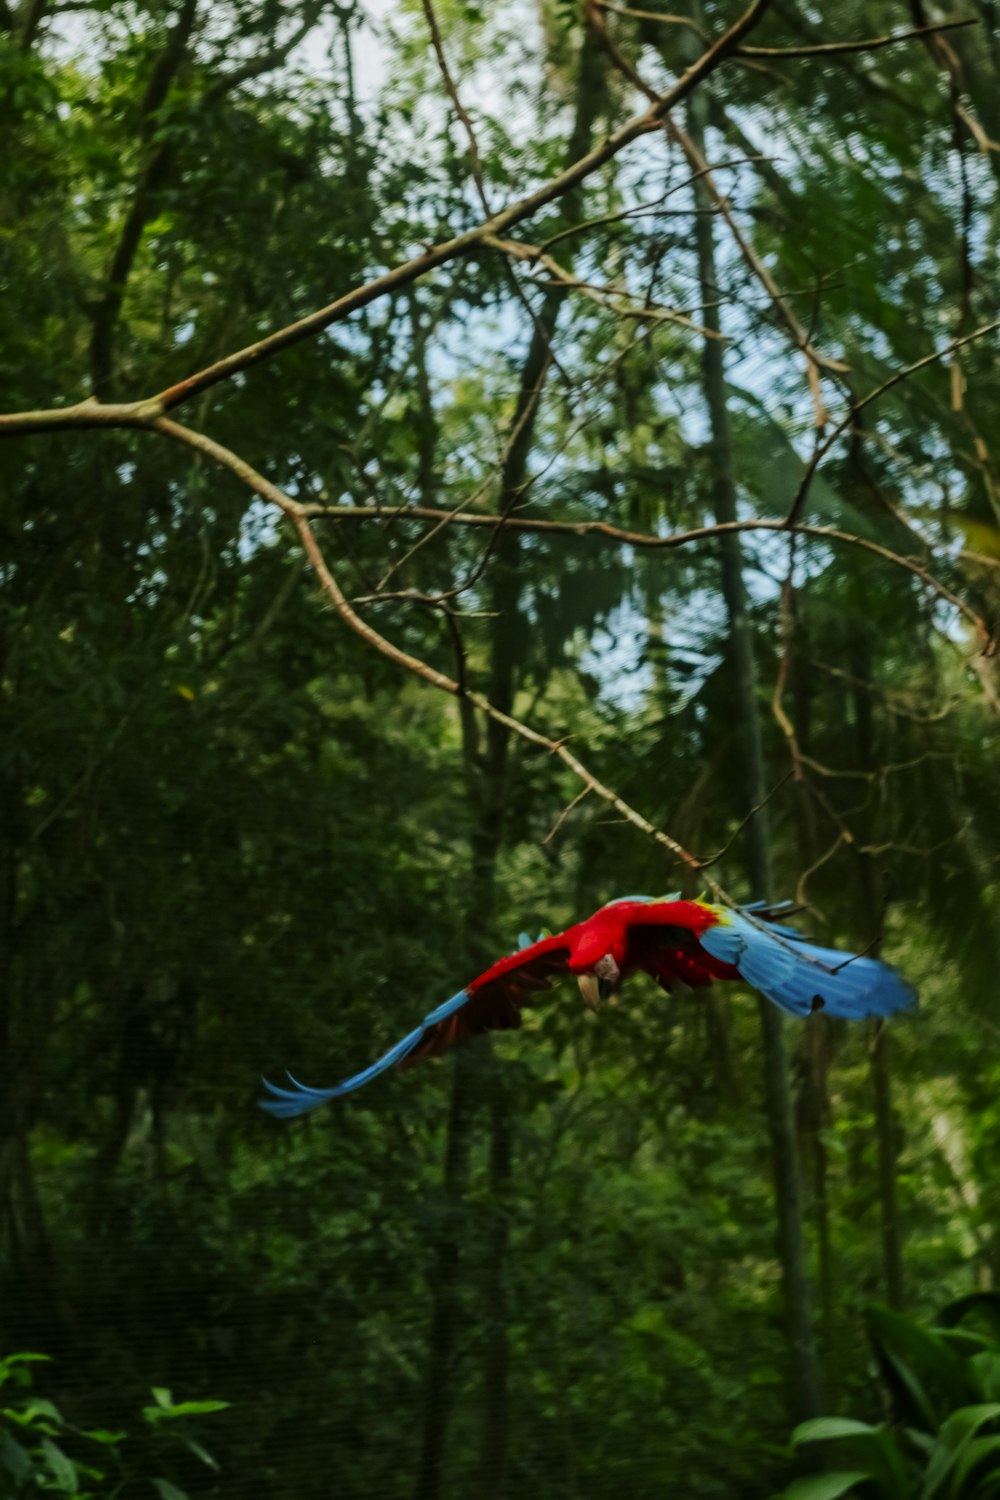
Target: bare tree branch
{"points": [[823, 447], [817, 49], [464, 244], [815, 361], [865, 44], [648, 541], [299, 518]]}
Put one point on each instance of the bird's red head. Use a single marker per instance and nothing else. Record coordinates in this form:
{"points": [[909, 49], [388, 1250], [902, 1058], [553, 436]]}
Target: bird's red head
{"points": [[598, 949]]}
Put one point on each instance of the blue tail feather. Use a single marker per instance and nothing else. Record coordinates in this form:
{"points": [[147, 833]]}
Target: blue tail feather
{"points": [[300, 1099]]}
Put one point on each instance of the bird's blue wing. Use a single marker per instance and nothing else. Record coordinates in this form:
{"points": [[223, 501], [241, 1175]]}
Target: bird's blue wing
{"points": [[299, 1100], [801, 977]]}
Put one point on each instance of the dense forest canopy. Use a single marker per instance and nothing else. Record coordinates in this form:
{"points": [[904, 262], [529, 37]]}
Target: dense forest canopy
{"points": [[461, 464]]}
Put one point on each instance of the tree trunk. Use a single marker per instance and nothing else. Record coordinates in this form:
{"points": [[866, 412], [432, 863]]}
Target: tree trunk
{"points": [[879, 1056], [488, 784], [445, 1298], [493, 1450], [885, 1134], [788, 1200]]}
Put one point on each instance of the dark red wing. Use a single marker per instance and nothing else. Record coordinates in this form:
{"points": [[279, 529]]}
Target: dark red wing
{"points": [[497, 996], [672, 955]]}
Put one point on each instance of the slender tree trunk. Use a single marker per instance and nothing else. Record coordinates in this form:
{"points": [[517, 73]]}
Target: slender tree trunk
{"points": [[488, 782], [509, 635], [788, 1198], [885, 1132], [26, 1266], [879, 1055], [815, 1058], [819, 1039], [445, 1301], [152, 176], [496, 1359]]}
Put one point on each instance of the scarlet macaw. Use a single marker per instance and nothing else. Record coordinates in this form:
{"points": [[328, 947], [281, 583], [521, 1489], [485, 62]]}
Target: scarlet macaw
{"points": [[688, 942]]}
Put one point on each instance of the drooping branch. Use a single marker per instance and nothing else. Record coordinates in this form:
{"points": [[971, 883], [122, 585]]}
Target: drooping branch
{"points": [[815, 49], [647, 541], [298, 515], [862, 44]]}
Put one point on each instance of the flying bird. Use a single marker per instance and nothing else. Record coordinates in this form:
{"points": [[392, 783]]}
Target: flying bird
{"points": [[676, 942]]}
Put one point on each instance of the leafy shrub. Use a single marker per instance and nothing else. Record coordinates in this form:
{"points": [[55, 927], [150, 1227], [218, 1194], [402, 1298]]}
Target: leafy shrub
{"points": [[40, 1452], [943, 1386]]}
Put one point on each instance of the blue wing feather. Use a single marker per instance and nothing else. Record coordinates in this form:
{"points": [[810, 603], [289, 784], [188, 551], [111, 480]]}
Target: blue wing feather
{"points": [[792, 973], [801, 977], [299, 1100]]}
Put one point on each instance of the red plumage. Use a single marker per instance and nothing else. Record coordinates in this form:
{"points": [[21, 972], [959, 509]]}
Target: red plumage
{"points": [[675, 942]]}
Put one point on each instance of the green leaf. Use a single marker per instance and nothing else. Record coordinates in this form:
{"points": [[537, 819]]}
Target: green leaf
{"points": [[168, 1491], [39, 1407], [14, 1458], [10, 1367], [985, 1304], [102, 1435], [189, 1409], [200, 1452], [821, 1429], [979, 1451], [63, 1468], [873, 1446], [955, 1435], [987, 1372], [825, 1486], [924, 1375]]}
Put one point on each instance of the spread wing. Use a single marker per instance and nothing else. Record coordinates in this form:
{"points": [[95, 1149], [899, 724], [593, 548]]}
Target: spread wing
{"points": [[672, 955], [692, 942], [802, 977], [491, 1002]]}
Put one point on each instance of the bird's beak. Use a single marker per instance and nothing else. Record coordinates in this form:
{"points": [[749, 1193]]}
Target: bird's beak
{"points": [[590, 989]]}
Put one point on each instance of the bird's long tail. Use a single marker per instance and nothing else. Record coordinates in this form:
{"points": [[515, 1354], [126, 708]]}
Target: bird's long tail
{"points": [[299, 1099]]}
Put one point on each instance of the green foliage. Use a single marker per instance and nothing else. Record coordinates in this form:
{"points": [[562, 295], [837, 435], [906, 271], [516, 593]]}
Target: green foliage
{"points": [[40, 1451], [943, 1382], [237, 840]]}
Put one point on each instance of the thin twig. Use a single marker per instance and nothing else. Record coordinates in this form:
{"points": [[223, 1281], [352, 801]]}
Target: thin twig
{"points": [[822, 448], [565, 814], [475, 159], [815, 361], [713, 859], [298, 515], [650, 542], [865, 44], [602, 295]]}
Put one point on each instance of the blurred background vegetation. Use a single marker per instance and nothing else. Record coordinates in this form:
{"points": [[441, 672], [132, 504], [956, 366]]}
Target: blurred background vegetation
{"points": [[236, 839]]}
